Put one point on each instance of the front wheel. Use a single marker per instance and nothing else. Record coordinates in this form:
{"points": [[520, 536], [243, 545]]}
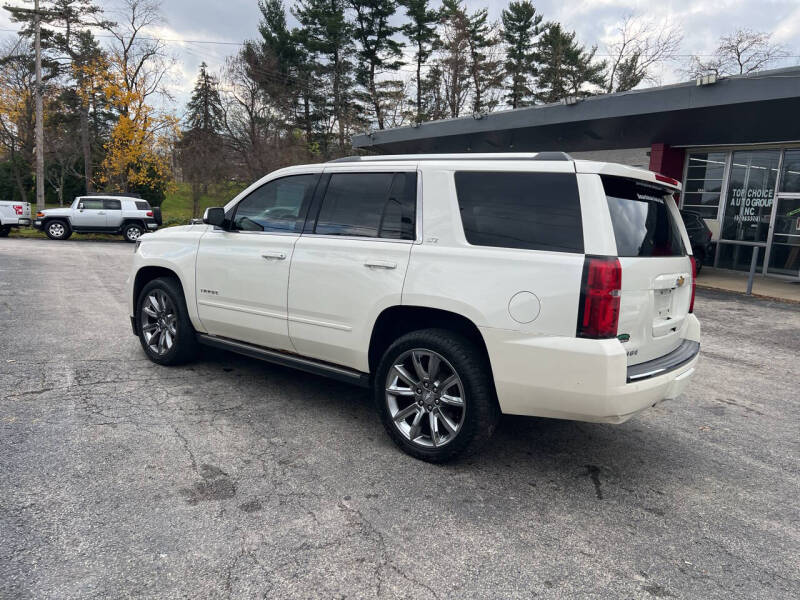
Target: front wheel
{"points": [[132, 232], [163, 324], [57, 230], [433, 390]]}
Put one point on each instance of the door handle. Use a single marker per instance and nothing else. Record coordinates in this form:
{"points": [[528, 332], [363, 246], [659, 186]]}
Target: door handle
{"points": [[380, 264], [273, 255], [102, 212]]}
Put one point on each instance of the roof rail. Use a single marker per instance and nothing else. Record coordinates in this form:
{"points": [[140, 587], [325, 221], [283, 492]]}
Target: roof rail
{"points": [[552, 156], [557, 156], [345, 159], [113, 195]]}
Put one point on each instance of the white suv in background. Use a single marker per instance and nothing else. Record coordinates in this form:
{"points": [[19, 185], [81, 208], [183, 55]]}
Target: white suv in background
{"points": [[124, 215], [457, 287]]}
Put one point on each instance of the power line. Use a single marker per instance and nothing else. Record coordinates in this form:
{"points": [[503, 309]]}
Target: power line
{"points": [[228, 43]]}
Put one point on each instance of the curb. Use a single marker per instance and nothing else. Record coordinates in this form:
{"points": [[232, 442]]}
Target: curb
{"points": [[753, 295]]}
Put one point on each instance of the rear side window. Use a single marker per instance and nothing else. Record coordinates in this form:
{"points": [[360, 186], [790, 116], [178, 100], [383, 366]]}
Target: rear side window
{"points": [[376, 205], [533, 211], [112, 204], [643, 225], [142, 205]]}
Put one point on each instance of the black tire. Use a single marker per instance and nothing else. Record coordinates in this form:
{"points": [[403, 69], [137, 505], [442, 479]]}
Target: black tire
{"points": [[132, 232], [57, 229], [184, 343], [4, 231], [464, 358]]}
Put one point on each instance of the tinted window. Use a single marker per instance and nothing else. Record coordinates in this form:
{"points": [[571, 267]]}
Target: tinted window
{"points": [[112, 204], [642, 223], [142, 205], [535, 211], [90, 204], [276, 206], [369, 205]]}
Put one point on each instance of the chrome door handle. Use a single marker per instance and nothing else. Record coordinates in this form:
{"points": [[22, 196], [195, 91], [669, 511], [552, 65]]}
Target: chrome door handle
{"points": [[101, 212], [273, 255], [380, 264]]}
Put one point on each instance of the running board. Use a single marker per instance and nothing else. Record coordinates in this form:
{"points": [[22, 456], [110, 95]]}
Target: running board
{"points": [[308, 365]]}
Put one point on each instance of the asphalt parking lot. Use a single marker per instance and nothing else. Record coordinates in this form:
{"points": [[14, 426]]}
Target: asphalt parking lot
{"points": [[234, 478]]}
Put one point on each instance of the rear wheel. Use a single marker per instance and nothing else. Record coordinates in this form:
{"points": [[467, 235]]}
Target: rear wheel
{"points": [[57, 230], [163, 324], [4, 231], [433, 391], [132, 232]]}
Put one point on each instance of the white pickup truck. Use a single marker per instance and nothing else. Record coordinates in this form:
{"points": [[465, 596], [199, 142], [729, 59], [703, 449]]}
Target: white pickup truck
{"points": [[13, 214]]}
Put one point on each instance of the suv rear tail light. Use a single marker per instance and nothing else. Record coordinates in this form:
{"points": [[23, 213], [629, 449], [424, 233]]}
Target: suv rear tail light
{"points": [[598, 313], [149, 213], [18, 209], [694, 278]]}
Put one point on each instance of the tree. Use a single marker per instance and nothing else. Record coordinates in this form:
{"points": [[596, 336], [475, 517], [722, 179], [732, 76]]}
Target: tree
{"points": [[421, 32], [327, 37], [566, 68], [639, 45], [743, 51], [67, 37], [378, 52], [486, 70], [136, 155], [521, 27], [453, 57], [200, 146]]}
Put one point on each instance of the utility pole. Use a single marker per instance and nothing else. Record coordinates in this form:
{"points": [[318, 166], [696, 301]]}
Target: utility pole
{"points": [[39, 112]]}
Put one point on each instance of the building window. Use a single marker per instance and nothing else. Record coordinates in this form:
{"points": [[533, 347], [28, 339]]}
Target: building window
{"points": [[703, 186], [750, 194]]}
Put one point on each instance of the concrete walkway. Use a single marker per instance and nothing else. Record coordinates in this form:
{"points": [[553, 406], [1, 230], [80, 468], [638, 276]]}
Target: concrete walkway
{"points": [[736, 281]]}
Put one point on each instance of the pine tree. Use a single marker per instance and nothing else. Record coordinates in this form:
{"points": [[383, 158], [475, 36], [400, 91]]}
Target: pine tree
{"points": [[204, 109], [454, 61], [200, 147], [327, 37], [421, 32], [485, 69], [566, 68], [521, 27], [378, 52]]}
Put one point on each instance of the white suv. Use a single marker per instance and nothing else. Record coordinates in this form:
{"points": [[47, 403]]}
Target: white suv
{"points": [[128, 216], [457, 287]]}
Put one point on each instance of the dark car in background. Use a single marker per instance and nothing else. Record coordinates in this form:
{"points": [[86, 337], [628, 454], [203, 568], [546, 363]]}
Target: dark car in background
{"points": [[699, 236]]}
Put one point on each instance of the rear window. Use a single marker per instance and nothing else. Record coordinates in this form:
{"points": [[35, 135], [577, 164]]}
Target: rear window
{"points": [[531, 211], [643, 225], [142, 205]]}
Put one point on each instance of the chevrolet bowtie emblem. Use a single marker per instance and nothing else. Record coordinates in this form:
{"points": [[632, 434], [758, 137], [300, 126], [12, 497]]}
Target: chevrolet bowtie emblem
{"points": [[680, 281]]}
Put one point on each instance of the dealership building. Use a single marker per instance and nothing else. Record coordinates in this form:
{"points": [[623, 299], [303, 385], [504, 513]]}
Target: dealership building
{"points": [[734, 142]]}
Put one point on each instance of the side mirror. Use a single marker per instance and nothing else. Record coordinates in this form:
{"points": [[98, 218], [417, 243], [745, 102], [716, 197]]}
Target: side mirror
{"points": [[80, 206], [215, 216]]}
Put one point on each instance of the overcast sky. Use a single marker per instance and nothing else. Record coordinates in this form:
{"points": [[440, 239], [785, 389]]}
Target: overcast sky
{"points": [[595, 22]]}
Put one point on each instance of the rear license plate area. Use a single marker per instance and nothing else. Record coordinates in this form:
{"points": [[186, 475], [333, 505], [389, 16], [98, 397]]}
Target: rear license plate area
{"points": [[662, 304]]}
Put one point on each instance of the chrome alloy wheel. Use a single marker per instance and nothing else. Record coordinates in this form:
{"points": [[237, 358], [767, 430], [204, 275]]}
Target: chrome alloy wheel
{"points": [[425, 398], [56, 229], [133, 233], [159, 322]]}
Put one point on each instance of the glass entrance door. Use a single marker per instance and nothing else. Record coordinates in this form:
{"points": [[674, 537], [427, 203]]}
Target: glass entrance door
{"points": [[748, 207], [784, 255]]}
